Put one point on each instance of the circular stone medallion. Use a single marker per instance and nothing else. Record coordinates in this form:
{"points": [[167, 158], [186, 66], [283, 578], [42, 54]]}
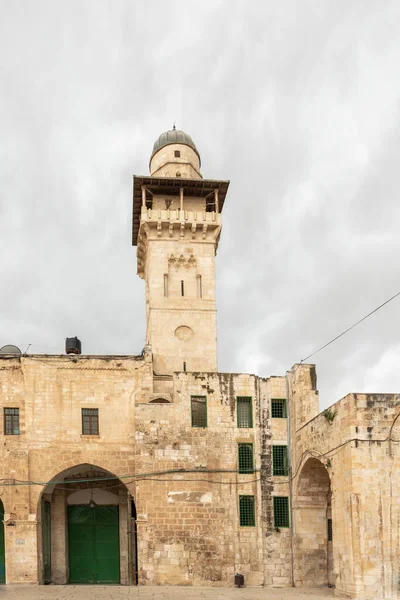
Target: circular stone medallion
{"points": [[184, 333]]}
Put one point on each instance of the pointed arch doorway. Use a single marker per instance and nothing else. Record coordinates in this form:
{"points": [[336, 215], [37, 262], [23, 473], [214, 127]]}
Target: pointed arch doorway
{"points": [[313, 526], [88, 529]]}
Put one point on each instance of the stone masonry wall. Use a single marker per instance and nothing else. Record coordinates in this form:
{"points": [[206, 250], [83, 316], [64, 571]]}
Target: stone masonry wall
{"points": [[273, 431], [190, 529], [181, 328], [355, 443], [183, 480], [50, 392]]}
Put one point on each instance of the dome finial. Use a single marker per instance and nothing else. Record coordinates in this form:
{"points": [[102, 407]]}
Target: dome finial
{"points": [[174, 136]]}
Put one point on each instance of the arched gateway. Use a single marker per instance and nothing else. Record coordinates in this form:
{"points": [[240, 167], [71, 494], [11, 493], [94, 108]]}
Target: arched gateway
{"points": [[88, 532], [313, 526]]}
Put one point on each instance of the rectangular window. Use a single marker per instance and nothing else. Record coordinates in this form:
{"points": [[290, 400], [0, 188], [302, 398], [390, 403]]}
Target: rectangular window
{"points": [[90, 421], [165, 285], [244, 412], [199, 411], [182, 288], [246, 459], [199, 287], [280, 460], [247, 511], [278, 408], [11, 421], [329, 525], [177, 153], [281, 511]]}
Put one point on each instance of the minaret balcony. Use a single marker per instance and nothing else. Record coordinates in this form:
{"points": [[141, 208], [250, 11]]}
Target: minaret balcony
{"points": [[199, 201], [155, 215]]}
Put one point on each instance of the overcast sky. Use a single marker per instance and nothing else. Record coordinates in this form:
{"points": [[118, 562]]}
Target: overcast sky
{"points": [[297, 103]]}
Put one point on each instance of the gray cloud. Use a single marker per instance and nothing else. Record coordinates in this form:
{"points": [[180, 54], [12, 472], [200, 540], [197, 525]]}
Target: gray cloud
{"points": [[297, 104]]}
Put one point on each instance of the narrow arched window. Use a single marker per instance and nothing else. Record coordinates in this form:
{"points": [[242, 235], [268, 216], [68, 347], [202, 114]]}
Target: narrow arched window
{"points": [[199, 287], [165, 285]]}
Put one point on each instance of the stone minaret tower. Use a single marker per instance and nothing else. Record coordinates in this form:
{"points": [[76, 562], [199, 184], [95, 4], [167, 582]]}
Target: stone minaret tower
{"points": [[176, 228]]}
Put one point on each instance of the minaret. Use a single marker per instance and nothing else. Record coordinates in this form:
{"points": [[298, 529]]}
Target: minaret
{"points": [[176, 227]]}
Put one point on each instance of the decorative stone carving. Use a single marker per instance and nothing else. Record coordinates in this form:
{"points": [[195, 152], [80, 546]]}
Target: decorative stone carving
{"points": [[182, 261]]}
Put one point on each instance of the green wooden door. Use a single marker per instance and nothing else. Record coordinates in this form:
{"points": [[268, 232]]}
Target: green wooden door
{"points": [[93, 534], [2, 551]]}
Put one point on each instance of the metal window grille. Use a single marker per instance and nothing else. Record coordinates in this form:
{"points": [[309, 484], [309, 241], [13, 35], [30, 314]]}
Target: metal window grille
{"points": [[278, 408], [11, 421], [247, 511], [246, 461], [281, 511], [199, 411], [279, 460], [244, 412], [329, 527], [90, 421]]}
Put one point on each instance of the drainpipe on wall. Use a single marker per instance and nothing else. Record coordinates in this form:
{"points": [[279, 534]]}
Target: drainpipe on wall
{"points": [[290, 476]]}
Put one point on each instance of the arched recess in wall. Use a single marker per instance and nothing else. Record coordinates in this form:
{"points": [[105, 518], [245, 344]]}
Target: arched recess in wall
{"points": [[313, 526], [159, 401], [88, 532]]}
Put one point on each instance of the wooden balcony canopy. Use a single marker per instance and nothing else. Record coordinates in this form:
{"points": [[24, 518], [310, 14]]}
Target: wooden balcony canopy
{"points": [[200, 188]]}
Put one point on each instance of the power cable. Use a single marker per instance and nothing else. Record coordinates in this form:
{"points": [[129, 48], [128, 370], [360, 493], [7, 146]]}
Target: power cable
{"points": [[10, 482], [155, 475], [349, 328]]}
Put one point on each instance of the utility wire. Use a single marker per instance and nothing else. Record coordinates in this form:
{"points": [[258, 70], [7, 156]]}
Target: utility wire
{"points": [[11, 482], [350, 328], [158, 475]]}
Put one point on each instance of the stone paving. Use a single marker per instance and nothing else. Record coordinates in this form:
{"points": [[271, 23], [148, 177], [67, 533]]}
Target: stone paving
{"points": [[99, 592]]}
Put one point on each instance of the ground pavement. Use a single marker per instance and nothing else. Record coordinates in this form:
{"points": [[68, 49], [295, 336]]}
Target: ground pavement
{"points": [[116, 592]]}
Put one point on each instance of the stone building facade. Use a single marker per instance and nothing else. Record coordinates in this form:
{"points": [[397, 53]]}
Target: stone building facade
{"points": [[158, 469]]}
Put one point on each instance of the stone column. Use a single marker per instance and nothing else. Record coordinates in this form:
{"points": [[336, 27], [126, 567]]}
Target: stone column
{"points": [[123, 538], [59, 547]]}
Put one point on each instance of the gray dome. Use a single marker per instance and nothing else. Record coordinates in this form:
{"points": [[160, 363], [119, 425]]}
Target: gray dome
{"points": [[10, 349], [174, 136]]}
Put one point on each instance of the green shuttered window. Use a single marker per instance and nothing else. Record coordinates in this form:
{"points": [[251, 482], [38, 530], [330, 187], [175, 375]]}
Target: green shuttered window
{"points": [[278, 408], [281, 511], [199, 411], [244, 412], [90, 421], [246, 459], [247, 511], [279, 460], [11, 421]]}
